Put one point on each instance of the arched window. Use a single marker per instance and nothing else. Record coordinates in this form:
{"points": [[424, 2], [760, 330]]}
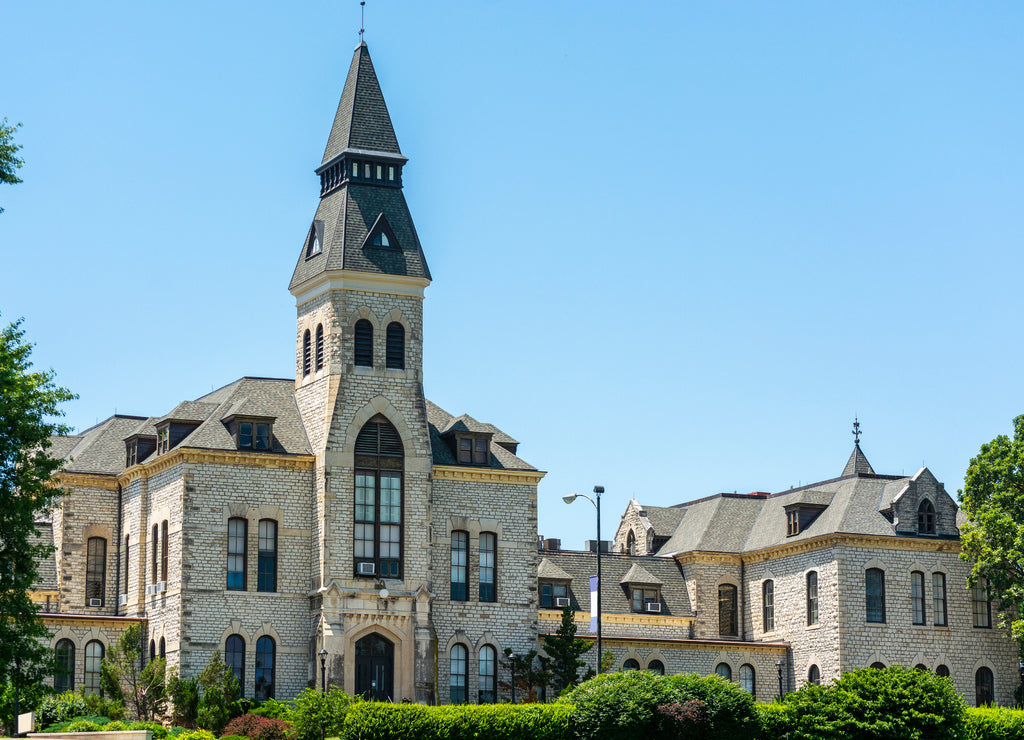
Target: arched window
{"points": [[920, 667], [319, 346], [156, 553], [377, 532], [152, 650], [364, 343], [238, 530], [234, 656], [459, 668], [163, 648], [874, 594], [631, 543], [878, 666], [64, 669], [984, 687], [768, 605], [981, 607], [939, 599], [460, 567], [942, 670], [265, 660], [93, 661], [814, 675], [266, 564], [656, 666], [306, 353], [812, 597], [727, 610], [724, 670], [926, 518], [394, 356], [917, 597], [163, 551], [488, 571], [631, 665], [748, 679], [95, 571], [487, 677]]}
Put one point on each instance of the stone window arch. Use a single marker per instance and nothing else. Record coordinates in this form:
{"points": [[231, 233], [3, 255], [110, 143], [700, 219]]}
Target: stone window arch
{"points": [[378, 520], [64, 667], [926, 517]]}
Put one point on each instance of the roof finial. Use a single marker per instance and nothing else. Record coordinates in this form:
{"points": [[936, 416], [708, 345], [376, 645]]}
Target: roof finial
{"points": [[362, 19], [856, 431]]}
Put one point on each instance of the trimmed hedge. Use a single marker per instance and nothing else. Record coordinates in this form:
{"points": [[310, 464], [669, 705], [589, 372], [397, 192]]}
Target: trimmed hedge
{"points": [[368, 720], [994, 723]]}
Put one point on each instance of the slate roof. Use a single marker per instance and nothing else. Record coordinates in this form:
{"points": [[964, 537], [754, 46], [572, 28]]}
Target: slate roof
{"points": [[615, 596], [551, 572], [439, 421], [638, 575], [857, 463], [663, 519]]}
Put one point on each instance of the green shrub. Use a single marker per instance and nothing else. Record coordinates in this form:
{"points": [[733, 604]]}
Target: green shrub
{"points": [[233, 737], [197, 735], [61, 707], [177, 731], [276, 709], [184, 696], [775, 720], [83, 725], [102, 706], [994, 723], [314, 714], [87, 720], [870, 703], [622, 706], [158, 730], [384, 721], [256, 727], [117, 725]]}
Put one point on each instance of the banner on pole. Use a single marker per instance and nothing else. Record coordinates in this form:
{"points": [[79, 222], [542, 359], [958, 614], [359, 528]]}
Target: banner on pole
{"points": [[593, 604]]}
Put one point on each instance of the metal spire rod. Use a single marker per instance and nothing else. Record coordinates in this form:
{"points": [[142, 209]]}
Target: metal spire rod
{"points": [[362, 19]]}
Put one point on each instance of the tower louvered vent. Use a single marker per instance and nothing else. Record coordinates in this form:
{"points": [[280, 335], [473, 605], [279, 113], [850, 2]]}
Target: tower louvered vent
{"points": [[379, 438]]}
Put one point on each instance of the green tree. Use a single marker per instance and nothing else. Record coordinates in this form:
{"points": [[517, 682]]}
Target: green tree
{"points": [[564, 649], [532, 673], [29, 402], [9, 159], [220, 689], [993, 535], [142, 689]]}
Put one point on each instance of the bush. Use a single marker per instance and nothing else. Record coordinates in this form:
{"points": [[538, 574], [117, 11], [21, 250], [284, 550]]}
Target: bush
{"points": [[178, 731], [315, 714], [158, 730], [102, 706], [255, 727], [277, 709], [184, 695], [61, 707], [197, 735], [622, 706], [775, 720], [232, 737], [117, 725], [994, 723], [384, 721], [870, 703], [83, 725], [688, 721]]}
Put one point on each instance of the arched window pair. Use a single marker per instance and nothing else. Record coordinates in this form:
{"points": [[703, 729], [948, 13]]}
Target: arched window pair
{"points": [[460, 566], [487, 674], [311, 356], [394, 350], [655, 666], [64, 675], [266, 653]]}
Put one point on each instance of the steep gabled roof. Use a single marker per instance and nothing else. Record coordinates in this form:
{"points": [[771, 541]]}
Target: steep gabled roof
{"points": [[857, 464]]}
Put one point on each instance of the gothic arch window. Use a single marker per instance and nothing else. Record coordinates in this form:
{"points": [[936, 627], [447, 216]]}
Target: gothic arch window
{"points": [[631, 543], [64, 673], [768, 605], [728, 622], [814, 675], [395, 347], [306, 354], [163, 648], [234, 656], [942, 670], [93, 661], [812, 597], [319, 347], [152, 650], [265, 659], [874, 594], [459, 670], [377, 534], [95, 571], [926, 518], [363, 338], [748, 679], [487, 675]]}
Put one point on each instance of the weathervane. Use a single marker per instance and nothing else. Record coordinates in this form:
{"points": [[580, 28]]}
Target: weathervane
{"points": [[856, 431], [362, 19]]}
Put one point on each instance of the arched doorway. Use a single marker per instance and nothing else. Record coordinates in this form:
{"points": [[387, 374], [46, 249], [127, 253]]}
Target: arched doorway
{"points": [[375, 668]]}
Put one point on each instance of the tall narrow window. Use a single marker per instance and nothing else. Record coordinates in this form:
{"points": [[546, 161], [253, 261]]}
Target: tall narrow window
{"points": [[155, 552], [917, 596], [460, 569], [234, 657], [984, 687], [487, 677], [926, 518], [395, 355], [488, 551], [265, 659], [127, 542], [631, 542], [152, 650], [364, 343], [306, 352], [319, 346], [727, 610], [238, 529], [814, 675], [768, 605], [163, 648], [163, 551], [812, 597], [93, 661], [459, 666], [939, 599], [266, 570], [377, 535], [874, 594], [981, 607], [748, 679], [95, 571], [64, 668]]}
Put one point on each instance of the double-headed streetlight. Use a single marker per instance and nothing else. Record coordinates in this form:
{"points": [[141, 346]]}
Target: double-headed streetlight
{"points": [[596, 501]]}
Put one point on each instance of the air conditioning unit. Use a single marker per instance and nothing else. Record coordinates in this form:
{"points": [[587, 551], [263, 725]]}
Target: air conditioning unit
{"points": [[122, 599], [161, 586], [95, 602], [151, 589], [366, 569], [653, 606], [562, 601]]}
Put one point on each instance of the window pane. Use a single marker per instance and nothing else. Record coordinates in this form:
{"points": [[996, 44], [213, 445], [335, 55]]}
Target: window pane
{"points": [[237, 529], [459, 673], [631, 665], [487, 675], [234, 656], [546, 598], [465, 450], [917, 596], [747, 679], [812, 597], [95, 569], [727, 617], [656, 666], [93, 660], [265, 650], [266, 565], [768, 606], [939, 599], [245, 428], [460, 560], [724, 670], [874, 595], [64, 672], [262, 437], [480, 451], [487, 573], [980, 606]]}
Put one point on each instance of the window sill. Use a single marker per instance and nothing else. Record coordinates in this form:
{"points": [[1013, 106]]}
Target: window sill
{"points": [[815, 626]]}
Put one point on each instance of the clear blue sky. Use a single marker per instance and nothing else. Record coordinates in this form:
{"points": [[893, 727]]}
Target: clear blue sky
{"points": [[676, 246]]}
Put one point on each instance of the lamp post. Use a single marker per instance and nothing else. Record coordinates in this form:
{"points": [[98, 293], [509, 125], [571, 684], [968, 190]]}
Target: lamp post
{"points": [[512, 667], [778, 664], [598, 490], [323, 670]]}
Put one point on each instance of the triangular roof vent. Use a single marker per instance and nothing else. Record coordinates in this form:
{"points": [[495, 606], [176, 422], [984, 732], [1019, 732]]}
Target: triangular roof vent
{"points": [[381, 235]]}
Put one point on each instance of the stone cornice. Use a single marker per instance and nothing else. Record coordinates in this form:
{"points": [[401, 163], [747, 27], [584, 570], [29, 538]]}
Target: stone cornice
{"points": [[647, 620], [709, 558], [232, 458], [87, 620], [87, 480], [681, 644], [866, 541], [330, 280], [488, 475]]}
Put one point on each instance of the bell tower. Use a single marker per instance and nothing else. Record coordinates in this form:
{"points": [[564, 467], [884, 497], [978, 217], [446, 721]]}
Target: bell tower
{"points": [[358, 284]]}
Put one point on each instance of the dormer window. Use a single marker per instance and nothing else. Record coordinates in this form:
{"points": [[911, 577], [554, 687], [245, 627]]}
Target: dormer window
{"points": [[251, 433], [380, 239], [554, 594], [792, 522], [137, 448], [391, 174], [473, 450], [315, 240], [163, 439], [646, 599], [800, 516], [926, 518]]}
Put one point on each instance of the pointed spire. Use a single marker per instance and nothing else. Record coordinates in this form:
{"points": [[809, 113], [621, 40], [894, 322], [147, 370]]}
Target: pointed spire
{"points": [[857, 464]]}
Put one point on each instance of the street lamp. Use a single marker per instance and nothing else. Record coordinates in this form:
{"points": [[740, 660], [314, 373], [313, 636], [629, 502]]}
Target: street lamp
{"points": [[512, 667], [778, 664], [323, 670], [598, 490]]}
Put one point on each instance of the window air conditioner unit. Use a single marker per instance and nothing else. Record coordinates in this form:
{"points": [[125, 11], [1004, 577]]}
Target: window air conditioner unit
{"points": [[562, 601], [653, 606], [367, 569], [151, 589], [122, 599], [95, 602], [161, 586]]}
